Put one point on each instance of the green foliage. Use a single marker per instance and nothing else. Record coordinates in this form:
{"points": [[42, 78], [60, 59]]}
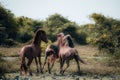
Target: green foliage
{"points": [[54, 24], [44, 45], [74, 30], [27, 28], [22, 28], [8, 26], [105, 34], [7, 21]]}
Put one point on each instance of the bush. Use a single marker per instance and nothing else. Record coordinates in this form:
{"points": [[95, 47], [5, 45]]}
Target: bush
{"points": [[25, 37], [106, 35], [9, 42]]}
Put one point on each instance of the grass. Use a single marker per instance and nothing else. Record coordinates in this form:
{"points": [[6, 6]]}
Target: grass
{"points": [[94, 66], [10, 52]]}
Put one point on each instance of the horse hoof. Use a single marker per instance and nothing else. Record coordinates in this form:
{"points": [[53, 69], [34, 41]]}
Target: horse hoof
{"points": [[41, 72], [31, 74], [37, 71], [79, 73], [49, 72], [60, 72]]}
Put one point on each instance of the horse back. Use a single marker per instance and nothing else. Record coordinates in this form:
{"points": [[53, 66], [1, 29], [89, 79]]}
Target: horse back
{"points": [[53, 48], [30, 51]]}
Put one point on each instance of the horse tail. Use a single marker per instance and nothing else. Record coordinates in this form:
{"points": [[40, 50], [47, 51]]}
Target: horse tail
{"points": [[78, 57], [81, 60]]}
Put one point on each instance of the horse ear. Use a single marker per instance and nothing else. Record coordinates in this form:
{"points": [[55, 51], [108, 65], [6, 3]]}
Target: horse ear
{"points": [[39, 31], [60, 34]]}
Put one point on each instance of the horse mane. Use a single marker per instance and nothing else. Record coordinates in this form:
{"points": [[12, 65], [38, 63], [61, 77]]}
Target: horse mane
{"points": [[37, 36], [69, 41], [53, 49]]}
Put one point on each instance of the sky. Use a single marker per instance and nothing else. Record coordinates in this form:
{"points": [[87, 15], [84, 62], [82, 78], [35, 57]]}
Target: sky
{"points": [[74, 10]]}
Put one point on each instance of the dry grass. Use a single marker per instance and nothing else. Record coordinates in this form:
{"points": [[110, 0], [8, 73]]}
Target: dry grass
{"points": [[87, 53], [10, 52]]}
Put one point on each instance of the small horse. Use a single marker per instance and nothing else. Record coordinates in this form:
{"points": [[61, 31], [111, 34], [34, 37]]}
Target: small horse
{"points": [[52, 51], [33, 51], [67, 53]]}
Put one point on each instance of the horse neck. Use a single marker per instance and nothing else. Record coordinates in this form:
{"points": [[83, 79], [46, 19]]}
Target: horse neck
{"points": [[60, 43], [66, 45], [36, 41]]}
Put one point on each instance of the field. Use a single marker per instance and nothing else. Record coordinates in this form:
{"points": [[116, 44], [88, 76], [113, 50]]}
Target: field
{"points": [[97, 67]]}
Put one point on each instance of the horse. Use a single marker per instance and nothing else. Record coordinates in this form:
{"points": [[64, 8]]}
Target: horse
{"points": [[67, 53], [32, 51], [52, 51]]}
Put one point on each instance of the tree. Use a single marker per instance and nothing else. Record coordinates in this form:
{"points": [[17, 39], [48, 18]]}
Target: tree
{"points": [[8, 25]]}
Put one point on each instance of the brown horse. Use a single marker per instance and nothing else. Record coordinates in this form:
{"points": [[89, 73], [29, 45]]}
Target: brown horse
{"points": [[52, 51], [67, 53], [33, 51]]}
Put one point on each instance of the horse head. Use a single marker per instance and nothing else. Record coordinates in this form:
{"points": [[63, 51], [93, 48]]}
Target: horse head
{"points": [[59, 38], [65, 40], [40, 35]]}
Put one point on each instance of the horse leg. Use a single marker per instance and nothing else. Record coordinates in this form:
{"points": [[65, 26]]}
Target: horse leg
{"points": [[40, 64], [36, 64], [77, 61], [23, 65], [28, 64], [45, 61], [67, 62], [62, 64], [49, 67], [52, 65]]}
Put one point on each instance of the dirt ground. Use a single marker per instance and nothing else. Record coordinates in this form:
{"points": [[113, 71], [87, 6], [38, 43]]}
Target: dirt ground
{"points": [[56, 76]]}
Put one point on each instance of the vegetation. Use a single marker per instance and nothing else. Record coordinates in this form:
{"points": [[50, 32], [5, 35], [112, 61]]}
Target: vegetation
{"points": [[8, 26], [104, 33]]}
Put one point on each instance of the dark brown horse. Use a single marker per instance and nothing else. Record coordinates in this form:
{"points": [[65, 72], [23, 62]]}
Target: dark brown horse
{"points": [[33, 51], [52, 52], [67, 53]]}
